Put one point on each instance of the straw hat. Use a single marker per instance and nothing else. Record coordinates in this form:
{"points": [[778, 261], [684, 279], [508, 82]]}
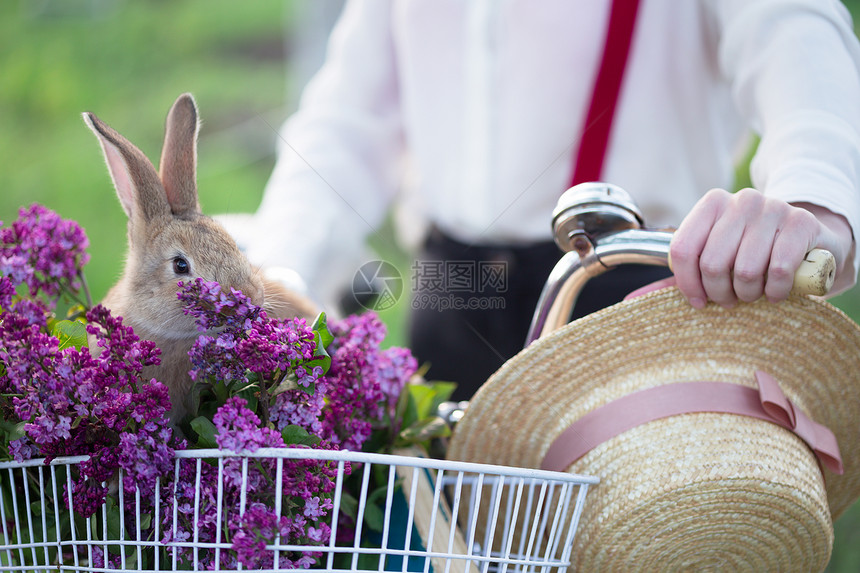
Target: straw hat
{"points": [[703, 491]]}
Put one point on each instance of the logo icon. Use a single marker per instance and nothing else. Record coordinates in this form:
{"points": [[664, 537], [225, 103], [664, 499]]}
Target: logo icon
{"points": [[377, 285]]}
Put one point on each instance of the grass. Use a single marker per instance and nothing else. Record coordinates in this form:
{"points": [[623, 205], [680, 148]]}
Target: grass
{"points": [[127, 61]]}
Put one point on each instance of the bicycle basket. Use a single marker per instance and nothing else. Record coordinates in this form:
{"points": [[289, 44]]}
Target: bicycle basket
{"points": [[387, 512]]}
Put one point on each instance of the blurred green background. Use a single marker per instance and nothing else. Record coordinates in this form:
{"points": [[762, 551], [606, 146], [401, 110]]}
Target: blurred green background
{"points": [[127, 61]]}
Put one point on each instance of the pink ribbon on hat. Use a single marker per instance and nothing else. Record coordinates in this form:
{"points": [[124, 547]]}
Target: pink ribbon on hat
{"points": [[767, 402]]}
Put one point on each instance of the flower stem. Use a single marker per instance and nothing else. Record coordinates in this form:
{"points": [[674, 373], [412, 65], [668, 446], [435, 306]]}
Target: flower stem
{"points": [[86, 288], [264, 403]]}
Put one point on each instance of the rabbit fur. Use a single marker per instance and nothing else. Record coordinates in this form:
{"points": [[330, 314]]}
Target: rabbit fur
{"points": [[170, 240]]}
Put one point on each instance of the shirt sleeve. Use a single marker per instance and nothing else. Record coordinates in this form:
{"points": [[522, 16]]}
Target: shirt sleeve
{"points": [[338, 158], [794, 68]]}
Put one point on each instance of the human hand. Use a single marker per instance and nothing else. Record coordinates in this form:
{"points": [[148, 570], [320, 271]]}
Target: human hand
{"points": [[745, 245]]}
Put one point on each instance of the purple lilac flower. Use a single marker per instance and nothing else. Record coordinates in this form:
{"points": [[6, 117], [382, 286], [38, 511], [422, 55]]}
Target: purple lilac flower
{"points": [[258, 527], [247, 340], [212, 308], [26, 351], [33, 311], [298, 408], [363, 381], [145, 456], [194, 484], [114, 561], [74, 402], [7, 291], [87, 496], [396, 366], [239, 428], [43, 251], [308, 484], [23, 449]]}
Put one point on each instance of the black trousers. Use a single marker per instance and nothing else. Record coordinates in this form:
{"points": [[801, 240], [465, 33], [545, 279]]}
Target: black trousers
{"points": [[473, 305]]}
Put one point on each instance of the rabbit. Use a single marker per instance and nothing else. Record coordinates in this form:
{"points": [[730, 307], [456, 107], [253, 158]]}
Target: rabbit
{"points": [[170, 240]]}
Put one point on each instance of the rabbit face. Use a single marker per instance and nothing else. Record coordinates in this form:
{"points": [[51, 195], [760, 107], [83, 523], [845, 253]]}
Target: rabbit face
{"points": [[183, 251]]}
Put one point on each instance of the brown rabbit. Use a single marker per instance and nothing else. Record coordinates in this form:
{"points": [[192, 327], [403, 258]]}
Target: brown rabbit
{"points": [[170, 240]]}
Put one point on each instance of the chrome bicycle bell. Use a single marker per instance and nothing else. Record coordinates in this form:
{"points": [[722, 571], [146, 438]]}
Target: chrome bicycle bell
{"points": [[588, 211]]}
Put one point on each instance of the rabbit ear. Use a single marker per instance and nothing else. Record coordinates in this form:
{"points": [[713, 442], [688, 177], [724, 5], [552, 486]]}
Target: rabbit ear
{"points": [[136, 181], [178, 166]]}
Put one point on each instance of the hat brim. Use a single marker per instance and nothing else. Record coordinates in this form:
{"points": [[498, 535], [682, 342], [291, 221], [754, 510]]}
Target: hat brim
{"points": [[809, 346]]}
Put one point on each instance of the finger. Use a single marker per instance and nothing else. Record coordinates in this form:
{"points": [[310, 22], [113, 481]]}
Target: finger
{"points": [[716, 262], [688, 242], [786, 255], [799, 232], [752, 261]]}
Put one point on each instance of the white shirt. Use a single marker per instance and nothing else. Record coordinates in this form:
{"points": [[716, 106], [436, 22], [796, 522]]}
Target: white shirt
{"points": [[483, 101]]}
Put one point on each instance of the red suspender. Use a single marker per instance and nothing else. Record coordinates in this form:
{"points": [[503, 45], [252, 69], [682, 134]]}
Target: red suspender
{"points": [[607, 85]]}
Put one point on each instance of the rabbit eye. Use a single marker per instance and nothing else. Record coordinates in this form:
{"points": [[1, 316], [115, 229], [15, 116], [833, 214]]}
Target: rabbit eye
{"points": [[181, 266]]}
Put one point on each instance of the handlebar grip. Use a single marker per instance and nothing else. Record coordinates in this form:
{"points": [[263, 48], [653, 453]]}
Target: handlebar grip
{"points": [[814, 276], [816, 273]]}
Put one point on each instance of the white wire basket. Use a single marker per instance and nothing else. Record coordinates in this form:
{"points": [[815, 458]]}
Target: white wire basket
{"points": [[437, 516]]}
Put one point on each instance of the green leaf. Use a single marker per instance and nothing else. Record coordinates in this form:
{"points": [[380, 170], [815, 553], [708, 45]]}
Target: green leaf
{"points": [[221, 391], [250, 393], [13, 430], [71, 333], [418, 400], [296, 435], [131, 560], [36, 508], [441, 393], [206, 397], [425, 403], [75, 311], [322, 338], [206, 432], [426, 429], [198, 391], [367, 562], [321, 356], [320, 326], [113, 518], [374, 513], [402, 405], [288, 382], [348, 504]]}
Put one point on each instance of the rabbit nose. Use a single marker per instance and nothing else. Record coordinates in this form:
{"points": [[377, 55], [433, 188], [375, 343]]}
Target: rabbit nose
{"points": [[251, 288]]}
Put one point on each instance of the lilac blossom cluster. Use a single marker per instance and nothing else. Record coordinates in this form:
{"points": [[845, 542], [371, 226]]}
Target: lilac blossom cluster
{"points": [[245, 339], [240, 342], [244, 511], [364, 381], [76, 402], [341, 407], [358, 393], [306, 485], [43, 251], [204, 516]]}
